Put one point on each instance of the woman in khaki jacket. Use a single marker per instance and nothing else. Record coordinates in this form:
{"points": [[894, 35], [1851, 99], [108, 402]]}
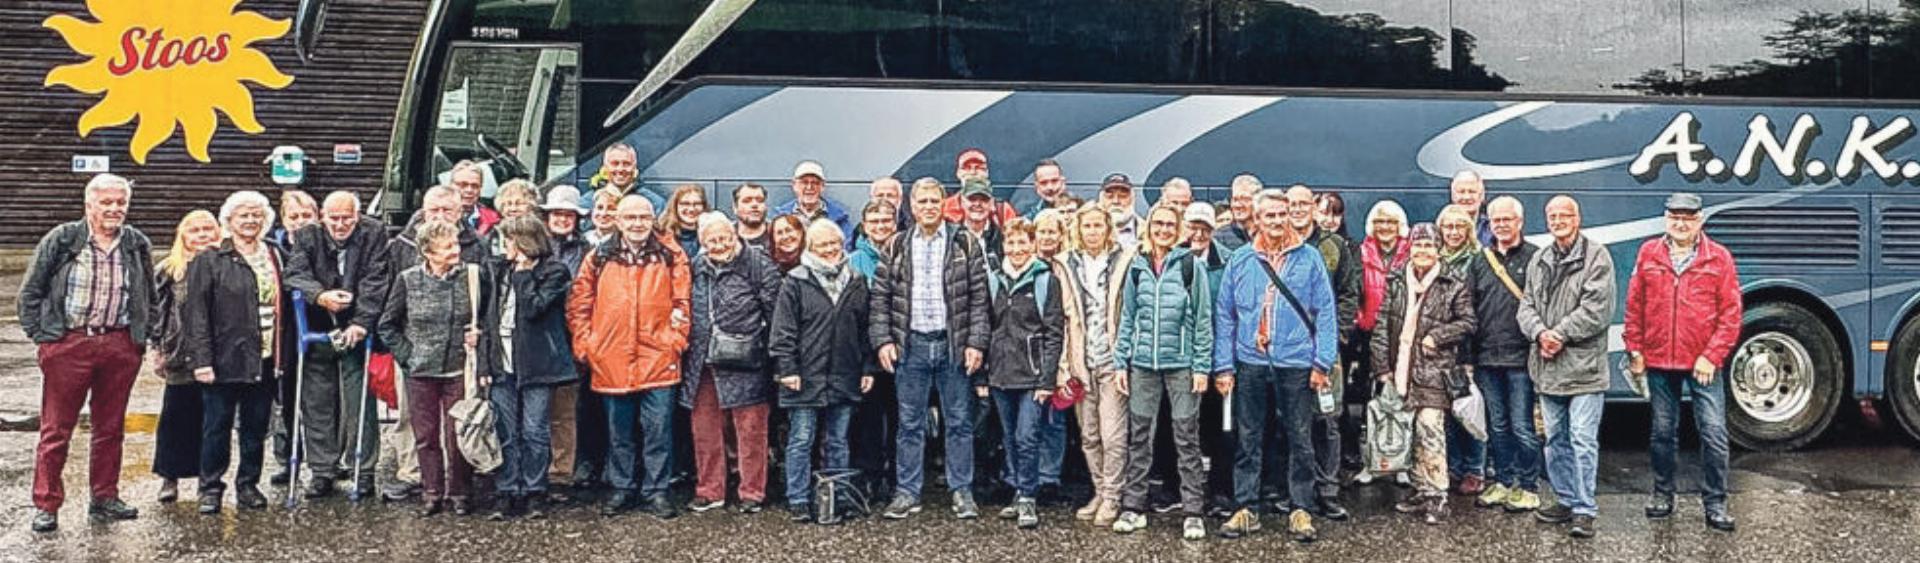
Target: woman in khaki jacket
{"points": [[1092, 273]]}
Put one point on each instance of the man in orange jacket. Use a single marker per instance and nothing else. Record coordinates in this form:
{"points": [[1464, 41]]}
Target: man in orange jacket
{"points": [[629, 311]]}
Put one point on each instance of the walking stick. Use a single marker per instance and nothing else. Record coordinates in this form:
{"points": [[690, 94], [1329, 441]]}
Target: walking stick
{"points": [[360, 425]]}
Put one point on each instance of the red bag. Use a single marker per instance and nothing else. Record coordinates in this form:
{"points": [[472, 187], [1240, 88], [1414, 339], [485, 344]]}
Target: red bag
{"points": [[381, 377]]}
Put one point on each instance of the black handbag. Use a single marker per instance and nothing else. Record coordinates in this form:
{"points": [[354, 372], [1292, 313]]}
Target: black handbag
{"points": [[734, 351]]}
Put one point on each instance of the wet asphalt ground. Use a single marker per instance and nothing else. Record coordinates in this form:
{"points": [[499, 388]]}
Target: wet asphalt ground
{"points": [[1854, 496]]}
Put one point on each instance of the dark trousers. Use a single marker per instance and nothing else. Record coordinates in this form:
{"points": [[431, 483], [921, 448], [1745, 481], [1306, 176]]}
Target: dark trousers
{"points": [[829, 424], [281, 419], [333, 392], [590, 439], [176, 440], [640, 431], [1218, 444], [252, 405], [444, 473], [926, 367], [80, 370], [1259, 392], [1709, 419], [875, 422], [520, 416]]}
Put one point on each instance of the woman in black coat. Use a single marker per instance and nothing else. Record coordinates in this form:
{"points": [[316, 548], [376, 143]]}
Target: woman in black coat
{"points": [[823, 364], [528, 354], [1024, 359], [734, 288]]}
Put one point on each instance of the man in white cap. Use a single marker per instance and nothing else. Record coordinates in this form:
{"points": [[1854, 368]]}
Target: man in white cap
{"points": [[810, 201]]}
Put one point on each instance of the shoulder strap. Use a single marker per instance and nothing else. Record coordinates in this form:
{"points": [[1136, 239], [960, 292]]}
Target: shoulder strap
{"points": [[1298, 309], [473, 321], [1500, 270]]}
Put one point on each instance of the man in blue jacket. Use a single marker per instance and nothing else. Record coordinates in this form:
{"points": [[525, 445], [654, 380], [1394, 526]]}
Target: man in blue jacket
{"points": [[1275, 338]]}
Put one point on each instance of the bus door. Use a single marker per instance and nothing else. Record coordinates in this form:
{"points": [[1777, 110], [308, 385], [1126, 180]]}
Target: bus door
{"points": [[512, 108]]}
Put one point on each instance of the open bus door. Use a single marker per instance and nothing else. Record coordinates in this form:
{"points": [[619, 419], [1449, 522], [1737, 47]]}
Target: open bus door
{"points": [[512, 108]]}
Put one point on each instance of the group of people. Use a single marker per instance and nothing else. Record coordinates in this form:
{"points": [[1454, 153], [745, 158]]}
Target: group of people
{"points": [[1208, 349]]}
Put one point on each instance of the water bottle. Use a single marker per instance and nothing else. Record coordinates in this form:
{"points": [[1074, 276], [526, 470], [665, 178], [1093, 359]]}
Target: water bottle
{"points": [[1326, 400]]}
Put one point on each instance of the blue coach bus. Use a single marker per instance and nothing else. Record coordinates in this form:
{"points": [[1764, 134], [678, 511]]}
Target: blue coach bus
{"points": [[1788, 116]]}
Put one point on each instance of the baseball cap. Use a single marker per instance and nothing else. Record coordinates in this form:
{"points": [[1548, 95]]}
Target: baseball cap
{"points": [[808, 167], [975, 186], [1116, 180], [1201, 212], [971, 154]]}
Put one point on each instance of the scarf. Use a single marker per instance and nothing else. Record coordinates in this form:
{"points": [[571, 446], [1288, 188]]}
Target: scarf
{"points": [[832, 277], [1417, 287], [1374, 276]]}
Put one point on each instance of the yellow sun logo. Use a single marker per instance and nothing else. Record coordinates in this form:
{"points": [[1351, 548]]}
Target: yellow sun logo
{"points": [[168, 62]]}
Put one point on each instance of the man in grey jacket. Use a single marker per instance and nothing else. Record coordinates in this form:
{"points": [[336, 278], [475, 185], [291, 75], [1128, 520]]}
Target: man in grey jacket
{"points": [[1568, 305]]}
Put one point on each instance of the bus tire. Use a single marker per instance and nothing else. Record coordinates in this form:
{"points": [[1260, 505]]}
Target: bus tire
{"points": [[1903, 377], [1785, 379]]}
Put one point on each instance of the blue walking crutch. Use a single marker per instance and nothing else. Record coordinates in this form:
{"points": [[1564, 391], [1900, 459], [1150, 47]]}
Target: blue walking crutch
{"points": [[298, 448]]}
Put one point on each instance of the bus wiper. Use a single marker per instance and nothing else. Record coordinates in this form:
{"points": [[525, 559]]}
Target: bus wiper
{"points": [[308, 22], [719, 15]]}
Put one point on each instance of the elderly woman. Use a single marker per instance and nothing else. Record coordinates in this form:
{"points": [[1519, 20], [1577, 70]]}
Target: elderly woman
{"points": [[176, 444], [1382, 253], [1091, 277], [528, 354], [431, 327], [515, 199], [229, 325], [1165, 335], [823, 363], [1466, 455], [726, 363], [1428, 313], [1026, 346]]}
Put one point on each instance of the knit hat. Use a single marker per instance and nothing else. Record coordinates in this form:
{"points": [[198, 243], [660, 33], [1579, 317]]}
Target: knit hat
{"points": [[1423, 231]]}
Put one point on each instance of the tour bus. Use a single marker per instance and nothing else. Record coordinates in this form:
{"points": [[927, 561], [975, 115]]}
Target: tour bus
{"points": [[1787, 117]]}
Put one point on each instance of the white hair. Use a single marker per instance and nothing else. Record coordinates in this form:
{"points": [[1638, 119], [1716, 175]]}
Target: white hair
{"points": [[1387, 208], [105, 181], [824, 228], [342, 195], [712, 220], [1248, 181], [1518, 210], [245, 198]]}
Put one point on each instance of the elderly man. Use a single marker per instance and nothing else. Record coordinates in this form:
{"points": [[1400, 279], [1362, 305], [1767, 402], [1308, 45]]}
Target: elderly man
{"points": [[85, 304], [1116, 196], [888, 190], [1240, 203], [1498, 351], [1569, 301], [637, 284], [469, 180], [1275, 341], [1345, 268], [620, 165], [810, 201], [972, 164], [1178, 192], [977, 202], [340, 264], [1468, 191], [1683, 318], [928, 316]]}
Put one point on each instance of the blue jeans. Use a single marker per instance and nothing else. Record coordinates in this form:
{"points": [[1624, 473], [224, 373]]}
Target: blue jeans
{"points": [[1259, 391], [652, 412], [522, 417], [1511, 442], [1709, 418], [925, 367], [1573, 448], [1053, 445], [802, 424], [1020, 427]]}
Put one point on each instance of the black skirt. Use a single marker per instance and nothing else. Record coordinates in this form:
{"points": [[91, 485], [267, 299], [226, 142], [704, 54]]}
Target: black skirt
{"points": [[176, 445]]}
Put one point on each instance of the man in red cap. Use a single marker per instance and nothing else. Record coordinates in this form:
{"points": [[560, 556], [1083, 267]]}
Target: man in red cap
{"points": [[972, 163]]}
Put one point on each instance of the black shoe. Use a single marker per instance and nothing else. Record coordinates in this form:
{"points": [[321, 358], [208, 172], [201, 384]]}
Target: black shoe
{"points": [[280, 477], [250, 498], [319, 487], [749, 507], [361, 491], [1660, 506], [1718, 519], [507, 509], [431, 508], [800, 513], [397, 492], [660, 508], [44, 522], [461, 507], [616, 504], [1330, 509], [1553, 514], [1583, 527], [112, 509], [534, 507], [169, 491], [1049, 495], [210, 502]]}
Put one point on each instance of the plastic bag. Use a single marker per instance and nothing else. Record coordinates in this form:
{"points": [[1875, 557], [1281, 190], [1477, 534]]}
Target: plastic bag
{"points": [[1471, 411], [1389, 434]]}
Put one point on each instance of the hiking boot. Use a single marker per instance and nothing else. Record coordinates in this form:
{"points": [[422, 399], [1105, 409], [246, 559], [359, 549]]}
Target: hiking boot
{"points": [[1583, 527], [209, 502], [1659, 506], [507, 510], [705, 504], [1719, 520], [112, 509], [1242, 523], [1470, 485], [1300, 524], [1108, 514], [1193, 529], [903, 505], [659, 507], [1556, 514], [400, 491], [169, 491], [964, 507], [250, 498], [1129, 522], [1087, 512], [1494, 496], [1521, 500], [44, 522], [1027, 513], [621, 501]]}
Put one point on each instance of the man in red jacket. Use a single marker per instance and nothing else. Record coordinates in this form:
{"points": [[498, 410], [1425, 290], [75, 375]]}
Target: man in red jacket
{"points": [[1683, 318]]}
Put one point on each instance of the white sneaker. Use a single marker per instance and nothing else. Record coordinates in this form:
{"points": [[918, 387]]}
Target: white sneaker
{"points": [[1364, 477], [1129, 522], [1194, 529]]}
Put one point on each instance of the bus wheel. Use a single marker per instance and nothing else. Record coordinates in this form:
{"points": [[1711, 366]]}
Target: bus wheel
{"points": [[1785, 379], [1903, 378]]}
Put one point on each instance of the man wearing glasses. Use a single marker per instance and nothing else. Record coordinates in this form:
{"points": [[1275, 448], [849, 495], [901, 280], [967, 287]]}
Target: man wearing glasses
{"points": [[1683, 318]]}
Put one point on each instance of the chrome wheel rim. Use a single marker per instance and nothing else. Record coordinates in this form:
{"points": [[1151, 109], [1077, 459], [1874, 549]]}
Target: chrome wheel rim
{"points": [[1772, 377]]}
